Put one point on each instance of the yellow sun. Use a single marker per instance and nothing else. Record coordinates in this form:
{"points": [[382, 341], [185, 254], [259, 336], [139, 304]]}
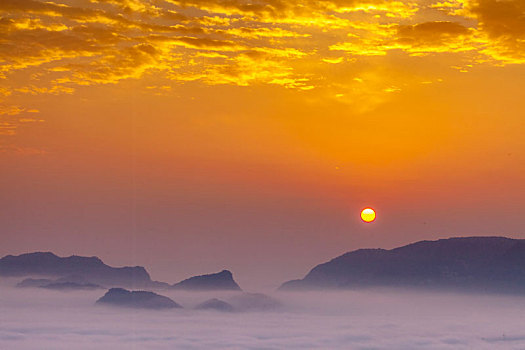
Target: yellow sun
{"points": [[368, 215]]}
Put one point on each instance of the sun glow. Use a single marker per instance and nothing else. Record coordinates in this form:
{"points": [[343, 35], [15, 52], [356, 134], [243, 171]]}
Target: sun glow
{"points": [[368, 215]]}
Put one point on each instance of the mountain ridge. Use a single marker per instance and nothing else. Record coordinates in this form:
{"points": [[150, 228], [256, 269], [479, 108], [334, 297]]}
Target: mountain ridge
{"points": [[92, 270], [137, 299], [222, 280], [490, 263]]}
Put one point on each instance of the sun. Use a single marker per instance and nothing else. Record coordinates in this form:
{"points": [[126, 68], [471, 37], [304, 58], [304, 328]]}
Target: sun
{"points": [[368, 214]]}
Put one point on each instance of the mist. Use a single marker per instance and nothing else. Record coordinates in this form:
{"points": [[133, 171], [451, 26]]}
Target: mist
{"points": [[368, 319]]}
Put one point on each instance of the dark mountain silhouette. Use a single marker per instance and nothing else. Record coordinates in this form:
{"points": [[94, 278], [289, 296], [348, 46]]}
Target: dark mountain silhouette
{"points": [[72, 278], [137, 299], [85, 269], [216, 281], [254, 302], [215, 304], [59, 284], [65, 286], [478, 263], [34, 283]]}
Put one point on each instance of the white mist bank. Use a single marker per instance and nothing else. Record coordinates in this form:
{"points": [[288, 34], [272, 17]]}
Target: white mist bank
{"points": [[382, 319]]}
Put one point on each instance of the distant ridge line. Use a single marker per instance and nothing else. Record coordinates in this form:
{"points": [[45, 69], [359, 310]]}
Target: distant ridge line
{"points": [[93, 270], [489, 263]]}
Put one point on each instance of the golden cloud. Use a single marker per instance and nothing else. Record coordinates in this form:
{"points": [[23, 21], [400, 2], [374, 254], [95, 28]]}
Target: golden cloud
{"points": [[53, 47]]}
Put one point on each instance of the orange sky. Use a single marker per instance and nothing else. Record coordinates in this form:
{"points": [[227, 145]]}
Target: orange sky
{"points": [[191, 136]]}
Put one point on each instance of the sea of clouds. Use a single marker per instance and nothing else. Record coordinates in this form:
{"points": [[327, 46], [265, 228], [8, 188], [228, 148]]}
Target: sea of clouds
{"points": [[368, 319]]}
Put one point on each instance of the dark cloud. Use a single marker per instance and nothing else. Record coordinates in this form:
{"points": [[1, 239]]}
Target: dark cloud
{"points": [[504, 23], [501, 19], [431, 30], [434, 36]]}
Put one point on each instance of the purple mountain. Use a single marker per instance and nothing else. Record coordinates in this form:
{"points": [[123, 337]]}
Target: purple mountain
{"points": [[493, 264], [88, 269], [216, 281]]}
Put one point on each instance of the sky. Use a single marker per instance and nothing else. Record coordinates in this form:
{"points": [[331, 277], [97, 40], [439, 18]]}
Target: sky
{"points": [[196, 135]]}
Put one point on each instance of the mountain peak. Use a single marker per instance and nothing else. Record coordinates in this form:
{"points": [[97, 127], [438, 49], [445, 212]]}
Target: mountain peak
{"points": [[483, 263], [136, 299], [91, 269], [216, 281]]}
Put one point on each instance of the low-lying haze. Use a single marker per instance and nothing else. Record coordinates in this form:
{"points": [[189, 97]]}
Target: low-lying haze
{"points": [[371, 319]]}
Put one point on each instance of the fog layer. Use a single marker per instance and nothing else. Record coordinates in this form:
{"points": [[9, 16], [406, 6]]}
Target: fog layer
{"points": [[373, 319]]}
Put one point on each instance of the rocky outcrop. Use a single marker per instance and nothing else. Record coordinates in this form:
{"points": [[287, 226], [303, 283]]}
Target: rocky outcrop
{"points": [[137, 299], [494, 264], [254, 302], [215, 304], [216, 281], [83, 269], [66, 286]]}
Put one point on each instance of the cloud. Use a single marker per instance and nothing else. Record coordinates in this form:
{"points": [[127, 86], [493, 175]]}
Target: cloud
{"points": [[416, 39], [55, 47], [85, 40], [280, 10], [431, 31], [12, 116], [83, 45], [503, 22], [387, 319], [24, 151], [430, 37]]}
